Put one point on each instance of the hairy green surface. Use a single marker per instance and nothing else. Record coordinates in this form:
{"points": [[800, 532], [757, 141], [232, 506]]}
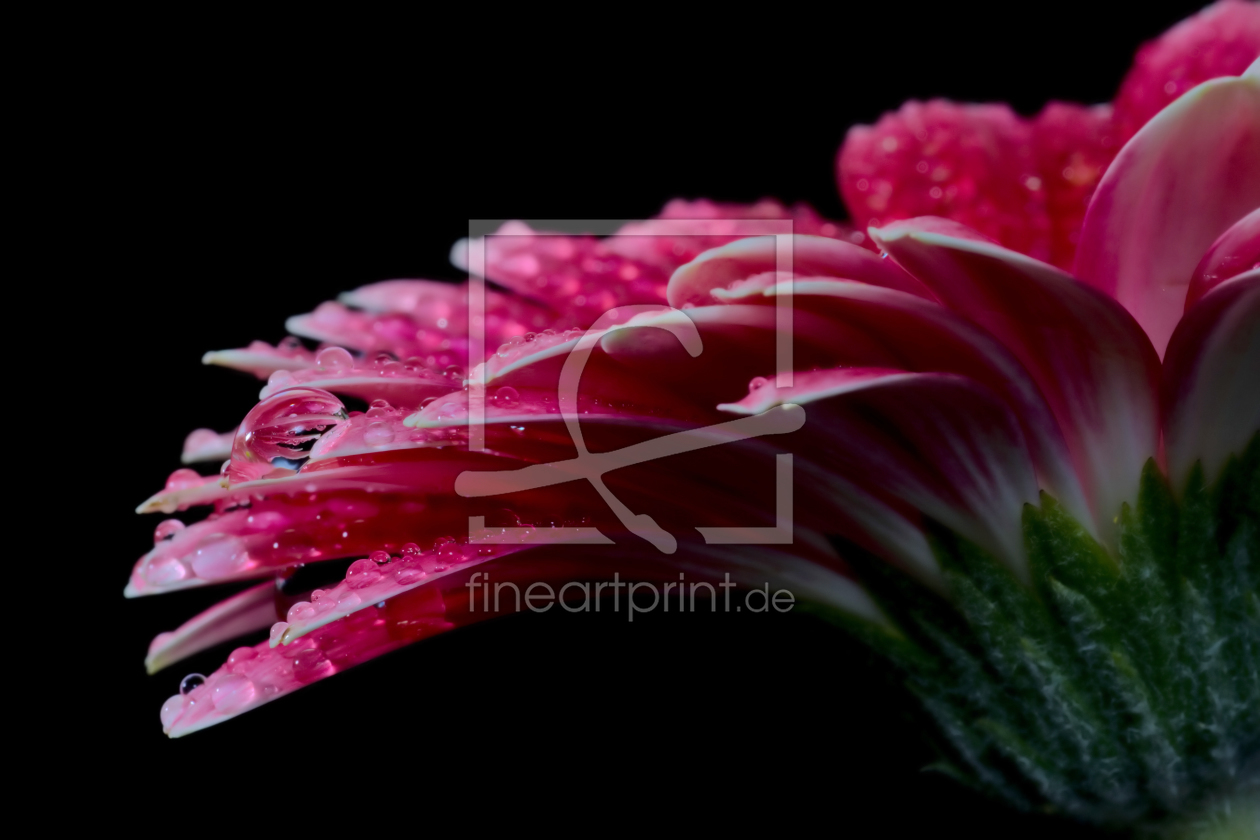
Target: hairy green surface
{"points": [[1122, 688]]}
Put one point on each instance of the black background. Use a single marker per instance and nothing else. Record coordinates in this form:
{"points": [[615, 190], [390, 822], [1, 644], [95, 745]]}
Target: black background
{"points": [[224, 192]]}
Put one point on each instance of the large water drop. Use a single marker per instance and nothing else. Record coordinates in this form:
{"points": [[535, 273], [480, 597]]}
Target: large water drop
{"points": [[190, 682], [334, 360], [285, 425]]}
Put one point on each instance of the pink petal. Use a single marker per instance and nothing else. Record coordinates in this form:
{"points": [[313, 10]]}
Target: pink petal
{"points": [[1193, 171], [926, 337], [1237, 250], [721, 268], [261, 359], [257, 675], [970, 163], [1219, 41], [942, 443], [246, 612], [1090, 359], [1210, 396], [207, 445]]}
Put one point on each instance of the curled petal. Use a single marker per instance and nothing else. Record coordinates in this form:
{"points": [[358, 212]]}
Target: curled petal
{"points": [[1091, 360], [926, 337], [1237, 250], [970, 163], [702, 281], [942, 443], [1180, 183], [1211, 401]]}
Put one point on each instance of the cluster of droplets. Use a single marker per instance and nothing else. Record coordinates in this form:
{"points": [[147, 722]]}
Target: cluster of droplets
{"points": [[379, 576], [332, 363], [519, 346]]}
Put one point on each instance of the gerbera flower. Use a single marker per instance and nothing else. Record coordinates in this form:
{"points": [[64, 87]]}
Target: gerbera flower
{"points": [[999, 484]]}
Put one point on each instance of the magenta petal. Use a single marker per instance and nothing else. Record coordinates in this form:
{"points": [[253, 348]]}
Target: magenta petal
{"points": [[1237, 250], [942, 443], [694, 284], [927, 337], [1091, 360], [1180, 183], [1210, 394], [243, 613]]}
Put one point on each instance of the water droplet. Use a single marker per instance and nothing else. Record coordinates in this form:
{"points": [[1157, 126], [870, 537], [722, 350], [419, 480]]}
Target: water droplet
{"points": [[160, 571], [362, 573], [221, 556], [454, 373], [410, 549], [381, 359], [300, 611], [334, 360], [407, 575], [318, 594], [183, 479], [166, 529], [171, 710], [236, 659], [190, 682], [277, 631], [281, 379], [507, 397], [285, 425], [378, 434], [757, 382], [232, 693], [379, 557]]}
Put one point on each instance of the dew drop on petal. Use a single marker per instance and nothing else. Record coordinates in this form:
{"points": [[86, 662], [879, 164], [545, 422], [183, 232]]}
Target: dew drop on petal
{"points": [[362, 573], [281, 379], [757, 383], [285, 425], [277, 631], [300, 611], [183, 479], [334, 360], [171, 710], [379, 434], [379, 557], [410, 549], [232, 693], [160, 571], [219, 558], [236, 659], [190, 682], [507, 397], [166, 529], [405, 576]]}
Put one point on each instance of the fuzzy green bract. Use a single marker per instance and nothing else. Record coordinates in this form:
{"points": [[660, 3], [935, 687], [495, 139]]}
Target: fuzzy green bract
{"points": [[1119, 688]]}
